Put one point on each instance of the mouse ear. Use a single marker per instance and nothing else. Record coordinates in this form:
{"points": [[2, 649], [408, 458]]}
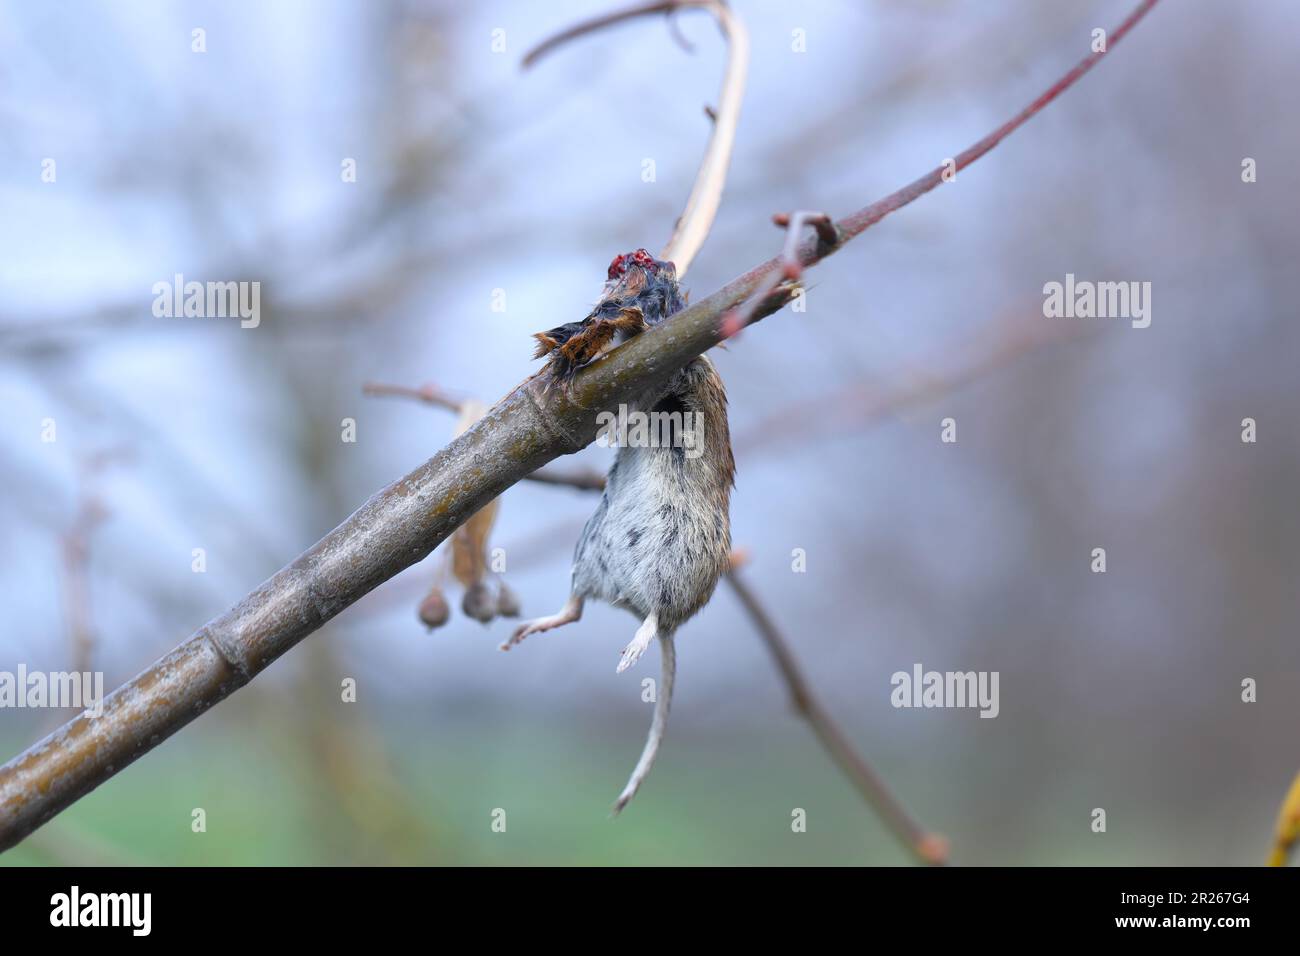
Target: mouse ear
{"points": [[630, 320], [554, 338], [545, 343], [574, 345], [582, 348]]}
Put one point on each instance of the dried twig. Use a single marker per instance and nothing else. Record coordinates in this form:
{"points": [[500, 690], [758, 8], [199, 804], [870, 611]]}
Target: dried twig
{"points": [[91, 513], [862, 220], [584, 480], [860, 404], [398, 527], [429, 394], [928, 847], [791, 268], [76, 561], [693, 226]]}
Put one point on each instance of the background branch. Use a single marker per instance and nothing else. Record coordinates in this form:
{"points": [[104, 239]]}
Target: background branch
{"points": [[928, 847], [429, 394], [861, 404]]}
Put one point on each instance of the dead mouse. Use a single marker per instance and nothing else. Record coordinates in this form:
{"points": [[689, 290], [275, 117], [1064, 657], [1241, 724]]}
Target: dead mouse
{"points": [[661, 536]]}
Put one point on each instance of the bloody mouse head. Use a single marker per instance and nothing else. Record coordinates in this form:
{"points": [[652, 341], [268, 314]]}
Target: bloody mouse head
{"points": [[639, 279], [640, 291], [618, 268]]}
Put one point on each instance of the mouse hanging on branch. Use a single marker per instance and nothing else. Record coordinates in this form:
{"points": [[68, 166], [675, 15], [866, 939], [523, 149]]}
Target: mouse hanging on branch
{"points": [[661, 536]]}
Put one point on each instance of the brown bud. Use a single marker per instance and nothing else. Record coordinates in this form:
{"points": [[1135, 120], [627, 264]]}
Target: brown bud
{"points": [[507, 601], [433, 609], [479, 603]]}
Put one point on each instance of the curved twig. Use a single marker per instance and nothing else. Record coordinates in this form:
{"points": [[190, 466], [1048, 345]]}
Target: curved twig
{"points": [[791, 268], [429, 394], [693, 226], [861, 404], [930, 848]]}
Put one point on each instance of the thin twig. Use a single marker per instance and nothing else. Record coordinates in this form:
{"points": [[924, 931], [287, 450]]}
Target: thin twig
{"points": [[675, 31], [857, 404], [862, 220], [429, 394], [696, 220], [91, 513], [76, 563], [584, 480], [396, 528], [791, 268], [928, 847]]}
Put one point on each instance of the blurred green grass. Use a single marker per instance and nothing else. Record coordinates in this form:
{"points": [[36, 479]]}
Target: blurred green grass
{"points": [[267, 803], [408, 794]]}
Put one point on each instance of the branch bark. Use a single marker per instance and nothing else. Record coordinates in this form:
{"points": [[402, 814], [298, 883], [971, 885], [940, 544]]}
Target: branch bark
{"points": [[400, 525]]}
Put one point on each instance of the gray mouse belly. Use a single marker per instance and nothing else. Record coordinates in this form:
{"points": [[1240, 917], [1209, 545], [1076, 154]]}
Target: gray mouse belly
{"points": [[653, 545]]}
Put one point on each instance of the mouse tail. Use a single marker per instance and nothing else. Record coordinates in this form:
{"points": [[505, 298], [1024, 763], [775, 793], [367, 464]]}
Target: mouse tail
{"points": [[658, 723]]}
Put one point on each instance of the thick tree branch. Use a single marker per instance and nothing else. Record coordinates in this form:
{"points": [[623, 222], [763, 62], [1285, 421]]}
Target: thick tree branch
{"points": [[399, 526]]}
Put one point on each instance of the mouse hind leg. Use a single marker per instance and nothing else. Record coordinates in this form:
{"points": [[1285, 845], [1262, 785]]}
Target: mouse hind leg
{"points": [[641, 641], [572, 611]]}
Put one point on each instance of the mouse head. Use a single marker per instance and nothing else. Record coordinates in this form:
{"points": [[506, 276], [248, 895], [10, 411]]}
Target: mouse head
{"points": [[639, 278], [640, 291], [640, 259]]}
